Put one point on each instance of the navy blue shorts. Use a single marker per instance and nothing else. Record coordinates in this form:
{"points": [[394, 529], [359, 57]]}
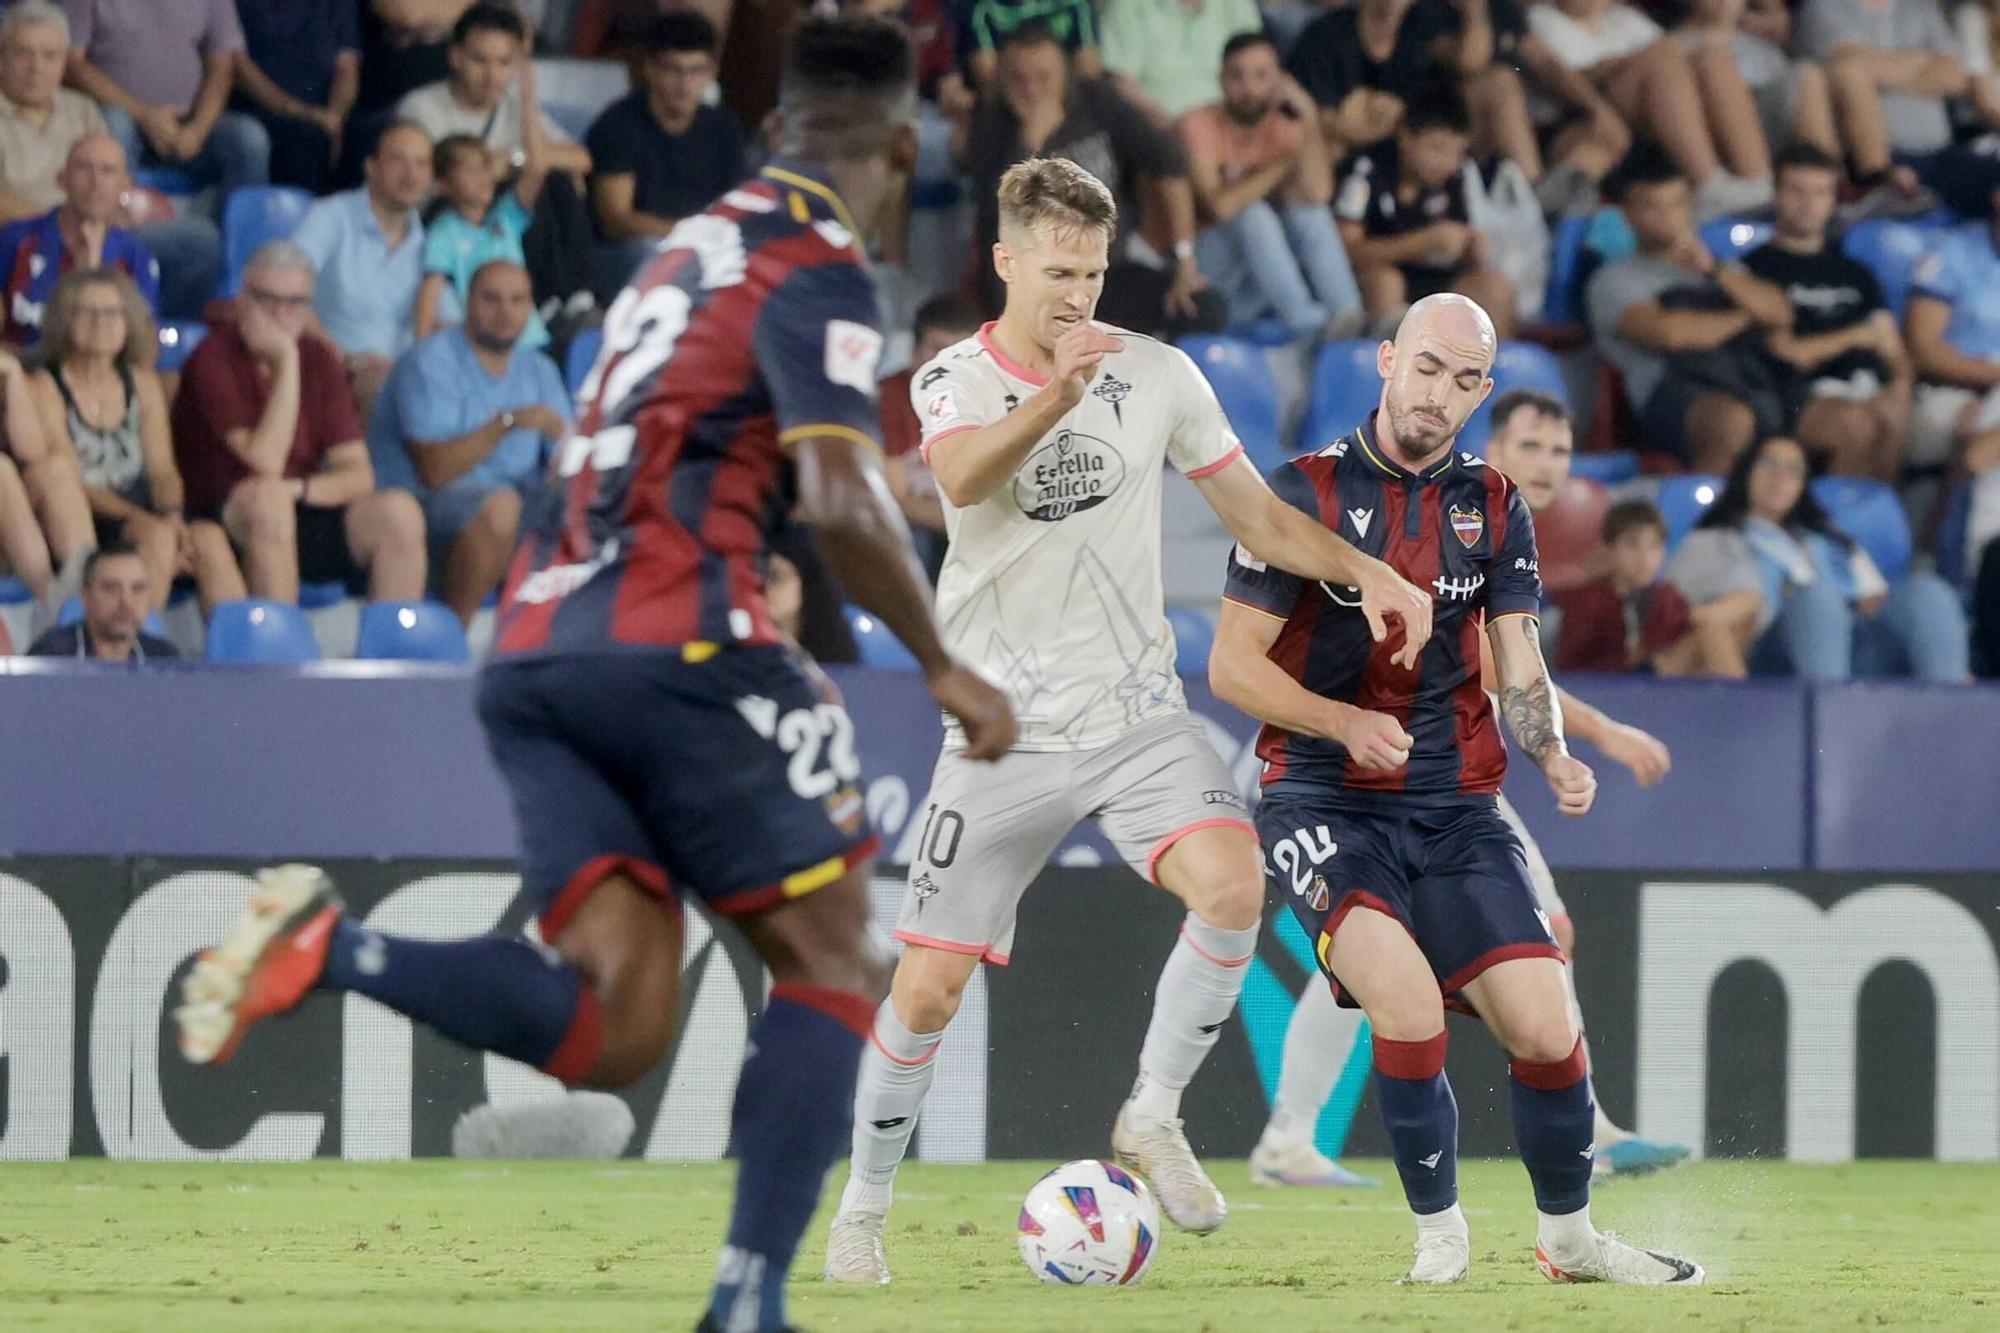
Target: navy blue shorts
{"points": [[731, 777], [1455, 877]]}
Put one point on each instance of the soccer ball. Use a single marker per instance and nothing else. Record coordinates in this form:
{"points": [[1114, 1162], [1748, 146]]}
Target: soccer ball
{"points": [[1091, 1224]]}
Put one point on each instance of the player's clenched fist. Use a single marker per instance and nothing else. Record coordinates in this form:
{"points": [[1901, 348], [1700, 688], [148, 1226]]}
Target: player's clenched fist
{"points": [[982, 710], [1386, 593], [1375, 740], [1076, 356], [1573, 783]]}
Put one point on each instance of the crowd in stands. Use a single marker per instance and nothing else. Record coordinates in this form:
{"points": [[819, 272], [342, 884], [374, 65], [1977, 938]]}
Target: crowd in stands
{"points": [[1760, 238]]}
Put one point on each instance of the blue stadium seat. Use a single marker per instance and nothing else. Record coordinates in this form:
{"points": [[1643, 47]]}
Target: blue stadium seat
{"points": [[1683, 499], [1732, 238], [1564, 302], [1869, 512], [13, 591], [254, 630], [170, 181], [578, 359], [1241, 378], [411, 632], [254, 215], [71, 611], [1891, 250], [177, 343], [1345, 388], [1606, 469], [879, 648], [1267, 332], [1519, 365], [319, 596], [1194, 636]]}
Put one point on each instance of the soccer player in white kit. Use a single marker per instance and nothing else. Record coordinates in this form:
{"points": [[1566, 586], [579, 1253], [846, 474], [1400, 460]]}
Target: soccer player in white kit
{"points": [[1047, 434], [1532, 443]]}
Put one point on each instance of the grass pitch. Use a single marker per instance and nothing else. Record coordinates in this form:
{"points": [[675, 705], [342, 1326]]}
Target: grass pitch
{"points": [[622, 1245]]}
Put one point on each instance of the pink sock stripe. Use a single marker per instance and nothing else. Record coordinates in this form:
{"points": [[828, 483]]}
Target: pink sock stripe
{"points": [[1219, 962], [896, 1059], [1164, 845]]}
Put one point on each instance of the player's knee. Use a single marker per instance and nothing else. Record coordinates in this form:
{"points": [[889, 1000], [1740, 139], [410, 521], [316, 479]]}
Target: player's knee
{"points": [[1412, 1013], [1233, 902], [1545, 1039]]}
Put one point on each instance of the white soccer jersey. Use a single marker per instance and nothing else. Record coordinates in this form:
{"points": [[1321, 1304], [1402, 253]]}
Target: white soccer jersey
{"points": [[1051, 585]]}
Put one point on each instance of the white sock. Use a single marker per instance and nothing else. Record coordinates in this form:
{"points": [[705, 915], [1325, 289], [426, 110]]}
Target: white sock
{"points": [[1196, 992], [1565, 1236], [1605, 1132], [1318, 1041], [896, 1069], [1450, 1222]]}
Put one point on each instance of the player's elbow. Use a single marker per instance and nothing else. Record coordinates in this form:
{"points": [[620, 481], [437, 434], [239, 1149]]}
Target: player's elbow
{"points": [[957, 485], [1226, 677]]}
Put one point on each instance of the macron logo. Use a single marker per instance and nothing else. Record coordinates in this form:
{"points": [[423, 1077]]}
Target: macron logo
{"points": [[1361, 518], [1431, 1163]]}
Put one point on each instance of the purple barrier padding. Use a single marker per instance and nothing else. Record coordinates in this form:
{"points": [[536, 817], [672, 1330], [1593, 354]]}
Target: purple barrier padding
{"points": [[355, 759], [1909, 777], [1735, 800]]}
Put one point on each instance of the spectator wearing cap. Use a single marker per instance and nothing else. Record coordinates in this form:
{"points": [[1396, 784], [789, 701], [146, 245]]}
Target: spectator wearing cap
{"points": [[1629, 620], [268, 444], [465, 424], [117, 597]]}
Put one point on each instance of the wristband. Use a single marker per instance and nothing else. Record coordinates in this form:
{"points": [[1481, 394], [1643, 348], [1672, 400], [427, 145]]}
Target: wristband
{"points": [[1183, 250]]}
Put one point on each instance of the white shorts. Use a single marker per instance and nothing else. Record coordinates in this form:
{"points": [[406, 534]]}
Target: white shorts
{"points": [[988, 829], [1538, 867]]}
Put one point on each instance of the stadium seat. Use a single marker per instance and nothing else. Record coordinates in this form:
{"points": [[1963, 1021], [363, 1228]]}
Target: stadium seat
{"points": [[579, 358], [572, 119], [255, 215], [13, 591], [1564, 302], [1569, 534], [1194, 636], [1345, 388], [1868, 511], [1267, 332], [170, 181], [177, 344], [1683, 499], [1610, 469], [318, 596], [879, 648], [1732, 238], [1890, 250], [1241, 378], [588, 86], [71, 611], [254, 630], [1519, 365], [411, 632]]}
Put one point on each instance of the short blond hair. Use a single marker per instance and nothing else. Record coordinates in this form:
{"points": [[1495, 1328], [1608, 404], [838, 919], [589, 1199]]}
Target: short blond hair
{"points": [[1056, 193]]}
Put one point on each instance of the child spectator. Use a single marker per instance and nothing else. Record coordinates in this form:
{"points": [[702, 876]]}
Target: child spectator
{"points": [[473, 229], [1629, 620]]}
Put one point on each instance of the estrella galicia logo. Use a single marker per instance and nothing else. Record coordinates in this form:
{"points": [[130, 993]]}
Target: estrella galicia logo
{"points": [[1219, 797], [1069, 474]]}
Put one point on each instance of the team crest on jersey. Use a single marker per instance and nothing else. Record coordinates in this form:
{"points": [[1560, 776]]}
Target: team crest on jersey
{"points": [[1468, 524], [1319, 897], [1069, 474], [1113, 391], [846, 809]]}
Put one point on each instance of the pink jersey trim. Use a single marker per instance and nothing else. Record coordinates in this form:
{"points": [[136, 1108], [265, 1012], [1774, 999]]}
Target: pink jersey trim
{"points": [[1164, 845], [924, 448], [1008, 363], [1217, 465]]}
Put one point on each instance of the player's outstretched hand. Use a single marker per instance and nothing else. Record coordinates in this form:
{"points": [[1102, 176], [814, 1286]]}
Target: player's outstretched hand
{"points": [[1573, 783], [1641, 751], [982, 710], [1076, 356], [1375, 740], [1384, 593]]}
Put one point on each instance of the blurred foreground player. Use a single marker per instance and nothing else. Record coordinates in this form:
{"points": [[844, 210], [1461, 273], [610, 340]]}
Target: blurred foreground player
{"points": [[1378, 818], [1048, 434], [658, 735], [1532, 443]]}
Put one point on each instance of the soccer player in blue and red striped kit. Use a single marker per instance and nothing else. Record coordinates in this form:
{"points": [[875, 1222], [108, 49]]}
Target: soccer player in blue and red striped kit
{"points": [[1378, 817], [658, 734]]}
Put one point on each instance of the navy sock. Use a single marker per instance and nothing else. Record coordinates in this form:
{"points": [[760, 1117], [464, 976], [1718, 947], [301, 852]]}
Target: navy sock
{"points": [[794, 1104], [1422, 1119], [497, 993], [1554, 1119]]}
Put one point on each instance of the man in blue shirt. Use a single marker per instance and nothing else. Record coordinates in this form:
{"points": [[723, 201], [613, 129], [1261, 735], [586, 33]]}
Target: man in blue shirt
{"points": [[464, 423], [368, 246], [77, 233]]}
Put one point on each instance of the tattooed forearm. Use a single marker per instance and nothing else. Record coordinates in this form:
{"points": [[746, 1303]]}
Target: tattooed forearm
{"points": [[1531, 716]]}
